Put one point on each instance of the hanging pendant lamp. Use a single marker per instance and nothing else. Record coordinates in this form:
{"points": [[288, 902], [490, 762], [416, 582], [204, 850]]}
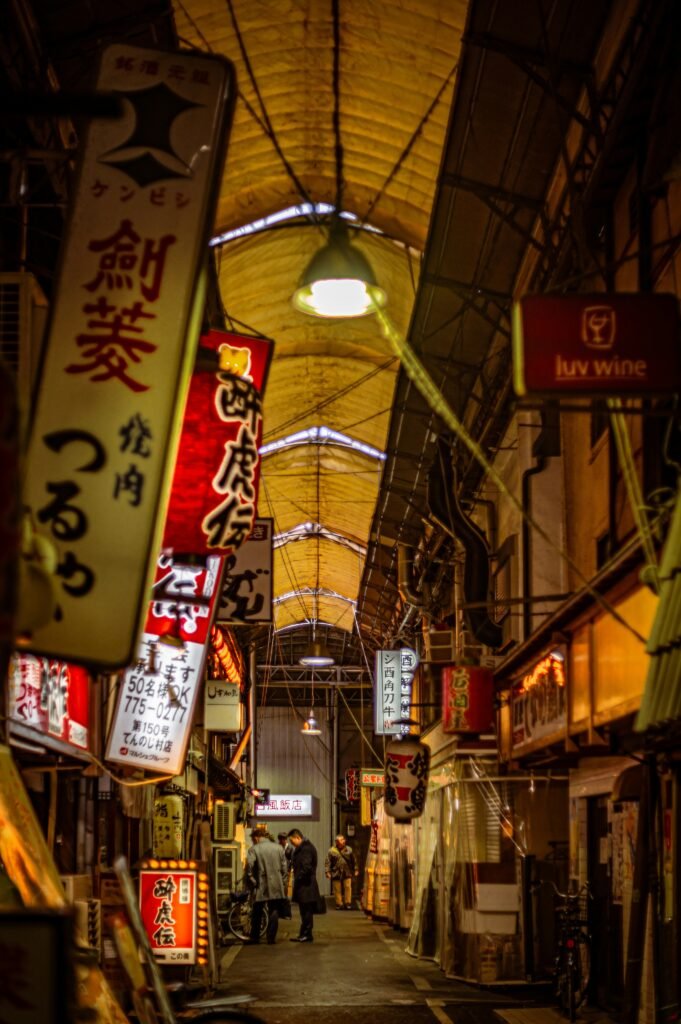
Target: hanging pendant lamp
{"points": [[310, 726], [339, 281], [317, 655]]}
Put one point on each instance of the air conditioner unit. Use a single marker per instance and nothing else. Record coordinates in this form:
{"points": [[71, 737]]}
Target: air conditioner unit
{"points": [[23, 315], [77, 887], [88, 924], [224, 818]]}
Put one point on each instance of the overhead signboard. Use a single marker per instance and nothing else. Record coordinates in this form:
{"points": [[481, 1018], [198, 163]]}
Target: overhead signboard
{"points": [[539, 701], [603, 344], [372, 777], [168, 903], [50, 697], [215, 484], [122, 342], [289, 805], [394, 673], [155, 709], [247, 586], [222, 709]]}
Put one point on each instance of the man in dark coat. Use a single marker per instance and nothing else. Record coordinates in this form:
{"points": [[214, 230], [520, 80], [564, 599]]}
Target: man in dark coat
{"points": [[305, 888]]}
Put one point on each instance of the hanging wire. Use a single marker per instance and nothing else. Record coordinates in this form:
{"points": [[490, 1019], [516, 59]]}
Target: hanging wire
{"points": [[433, 395], [335, 10], [359, 727], [268, 127], [399, 163]]}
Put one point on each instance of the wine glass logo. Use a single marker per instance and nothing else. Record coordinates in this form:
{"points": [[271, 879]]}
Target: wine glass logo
{"points": [[598, 327]]}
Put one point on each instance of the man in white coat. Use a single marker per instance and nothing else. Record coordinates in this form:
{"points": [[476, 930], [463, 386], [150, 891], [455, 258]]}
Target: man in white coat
{"points": [[267, 870]]}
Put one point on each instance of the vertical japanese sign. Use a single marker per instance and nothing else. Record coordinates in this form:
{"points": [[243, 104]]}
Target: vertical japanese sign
{"points": [[215, 484], [51, 697], [153, 717], [122, 342], [168, 826], [247, 586], [168, 909], [394, 672]]}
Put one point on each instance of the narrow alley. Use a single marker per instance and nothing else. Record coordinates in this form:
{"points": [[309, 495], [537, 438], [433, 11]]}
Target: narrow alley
{"points": [[357, 970]]}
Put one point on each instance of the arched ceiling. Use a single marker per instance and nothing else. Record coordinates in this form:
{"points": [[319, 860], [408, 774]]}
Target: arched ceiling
{"points": [[397, 70]]}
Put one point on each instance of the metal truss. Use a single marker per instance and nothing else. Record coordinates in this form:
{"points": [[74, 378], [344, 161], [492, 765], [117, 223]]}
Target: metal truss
{"points": [[355, 676]]}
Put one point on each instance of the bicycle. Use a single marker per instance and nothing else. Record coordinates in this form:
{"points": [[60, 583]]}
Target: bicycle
{"points": [[573, 953], [240, 914]]}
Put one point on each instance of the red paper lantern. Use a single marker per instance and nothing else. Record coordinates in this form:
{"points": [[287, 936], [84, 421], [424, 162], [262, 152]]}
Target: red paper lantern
{"points": [[467, 699], [407, 763], [213, 499]]}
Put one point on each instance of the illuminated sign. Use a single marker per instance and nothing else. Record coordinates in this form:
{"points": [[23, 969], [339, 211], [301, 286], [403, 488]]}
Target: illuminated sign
{"points": [[222, 709], [214, 495], [467, 699], [50, 697], [169, 901], [122, 340], [623, 344], [394, 673], [539, 700], [155, 709], [247, 585], [287, 805], [372, 777]]}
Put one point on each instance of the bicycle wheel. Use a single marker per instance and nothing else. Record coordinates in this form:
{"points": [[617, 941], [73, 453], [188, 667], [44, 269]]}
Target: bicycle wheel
{"points": [[239, 921], [582, 956]]}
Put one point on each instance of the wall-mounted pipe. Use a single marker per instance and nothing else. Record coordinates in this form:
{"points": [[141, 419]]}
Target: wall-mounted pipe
{"points": [[405, 560]]}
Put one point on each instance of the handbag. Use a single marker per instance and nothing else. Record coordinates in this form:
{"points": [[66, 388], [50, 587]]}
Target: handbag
{"points": [[285, 912], [320, 905]]}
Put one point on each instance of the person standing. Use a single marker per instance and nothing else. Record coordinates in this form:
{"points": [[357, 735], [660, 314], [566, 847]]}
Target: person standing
{"points": [[282, 839], [305, 888], [267, 869], [341, 868]]}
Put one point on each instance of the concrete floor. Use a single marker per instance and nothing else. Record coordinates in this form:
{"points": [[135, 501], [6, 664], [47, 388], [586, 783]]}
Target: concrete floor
{"points": [[355, 970]]}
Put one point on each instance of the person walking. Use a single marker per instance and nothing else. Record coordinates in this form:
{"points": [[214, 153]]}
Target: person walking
{"points": [[341, 868], [305, 888], [267, 870]]}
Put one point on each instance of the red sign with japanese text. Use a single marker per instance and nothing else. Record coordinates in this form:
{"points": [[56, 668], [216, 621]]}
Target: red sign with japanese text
{"points": [[622, 344], [51, 697], [121, 344], [168, 909], [214, 495], [467, 699]]}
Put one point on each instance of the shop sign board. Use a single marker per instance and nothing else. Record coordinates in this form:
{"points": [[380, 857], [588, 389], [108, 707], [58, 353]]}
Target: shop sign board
{"points": [[168, 826], [288, 805], [168, 903], [51, 697], [539, 701], [372, 777], [214, 495], [222, 710], [601, 344], [247, 587], [352, 785], [394, 672], [467, 699], [155, 709], [122, 341]]}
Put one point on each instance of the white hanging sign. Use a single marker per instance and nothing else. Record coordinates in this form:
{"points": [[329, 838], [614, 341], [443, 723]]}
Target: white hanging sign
{"points": [[394, 672], [122, 342], [155, 710]]}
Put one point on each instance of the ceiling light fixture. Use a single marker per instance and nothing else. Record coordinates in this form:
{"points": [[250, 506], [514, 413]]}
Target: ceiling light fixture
{"points": [[317, 655], [310, 726], [339, 281]]}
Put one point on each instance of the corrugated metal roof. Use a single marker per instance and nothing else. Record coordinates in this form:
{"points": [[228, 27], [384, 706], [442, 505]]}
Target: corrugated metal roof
{"points": [[397, 62]]}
